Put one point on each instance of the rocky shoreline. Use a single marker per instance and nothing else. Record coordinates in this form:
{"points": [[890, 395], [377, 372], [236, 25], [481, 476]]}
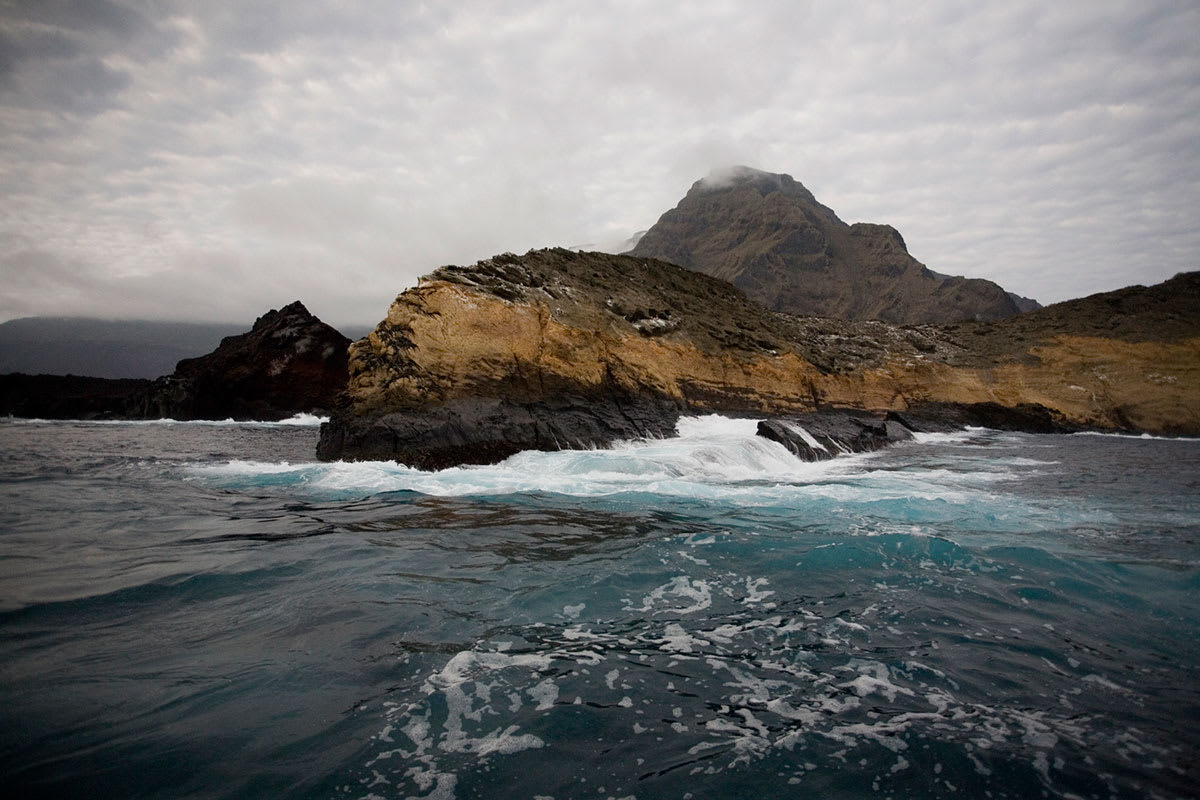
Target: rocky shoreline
{"points": [[491, 430], [559, 349], [488, 430]]}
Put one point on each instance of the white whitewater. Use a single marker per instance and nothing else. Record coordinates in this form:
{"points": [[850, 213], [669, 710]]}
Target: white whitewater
{"points": [[711, 458], [297, 420]]}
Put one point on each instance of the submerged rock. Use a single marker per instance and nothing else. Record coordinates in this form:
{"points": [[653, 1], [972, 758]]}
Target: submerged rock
{"points": [[822, 435], [946, 417], [558, 349]]}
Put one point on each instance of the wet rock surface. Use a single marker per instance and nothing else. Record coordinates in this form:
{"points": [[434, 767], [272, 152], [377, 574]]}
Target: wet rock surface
{"points": [[488, 430], [823, 435]]}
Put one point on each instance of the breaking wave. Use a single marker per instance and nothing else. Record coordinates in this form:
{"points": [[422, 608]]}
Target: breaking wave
{"points": [[710, 458]]}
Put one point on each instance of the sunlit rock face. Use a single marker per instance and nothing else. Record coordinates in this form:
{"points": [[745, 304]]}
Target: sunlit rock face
{"points": [[768, 235], [559, 349]]}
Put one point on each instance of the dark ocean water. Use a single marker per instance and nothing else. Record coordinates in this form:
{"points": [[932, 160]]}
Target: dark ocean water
{"points": [[192, 610]]}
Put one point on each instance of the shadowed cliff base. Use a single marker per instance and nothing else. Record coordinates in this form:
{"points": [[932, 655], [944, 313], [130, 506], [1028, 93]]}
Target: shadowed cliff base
{"points": [[559, 349]]}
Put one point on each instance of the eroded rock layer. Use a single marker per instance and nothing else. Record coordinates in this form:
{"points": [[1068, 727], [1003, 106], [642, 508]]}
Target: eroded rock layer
{"points": [[561, 349]]}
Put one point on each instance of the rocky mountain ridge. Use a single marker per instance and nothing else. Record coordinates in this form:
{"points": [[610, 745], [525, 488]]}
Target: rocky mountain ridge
{"points": [[769, 236]]}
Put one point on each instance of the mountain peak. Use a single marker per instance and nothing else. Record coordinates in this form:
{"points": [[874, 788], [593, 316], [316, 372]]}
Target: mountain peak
{"points": [[739, 176], [724, 177], [294, 313], [768, 235]]}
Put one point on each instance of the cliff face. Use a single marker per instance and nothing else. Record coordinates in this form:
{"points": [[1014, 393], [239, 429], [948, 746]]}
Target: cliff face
{"points": [[561, 349], [768, 235], [289, 362]]}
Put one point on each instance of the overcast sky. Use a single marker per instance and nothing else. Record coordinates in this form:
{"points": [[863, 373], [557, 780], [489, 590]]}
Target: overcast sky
{"points": [[210, 160]]}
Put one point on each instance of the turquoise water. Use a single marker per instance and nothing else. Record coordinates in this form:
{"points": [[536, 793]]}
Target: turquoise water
{"points": [[201, 610]]}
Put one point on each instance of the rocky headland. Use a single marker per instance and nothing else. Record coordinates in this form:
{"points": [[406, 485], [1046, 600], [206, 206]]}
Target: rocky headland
{"points": [[559, 349], [768, 235], [290, 362]]}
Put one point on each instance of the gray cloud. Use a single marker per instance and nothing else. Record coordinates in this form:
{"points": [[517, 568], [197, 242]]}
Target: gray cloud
{"points": [[207, 161]]}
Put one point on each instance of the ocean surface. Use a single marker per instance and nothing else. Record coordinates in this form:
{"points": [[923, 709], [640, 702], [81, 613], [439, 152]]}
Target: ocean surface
{"points": [[202, 611]]}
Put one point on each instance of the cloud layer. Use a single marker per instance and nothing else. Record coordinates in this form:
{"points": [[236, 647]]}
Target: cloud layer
{"points": [[211, 160]]}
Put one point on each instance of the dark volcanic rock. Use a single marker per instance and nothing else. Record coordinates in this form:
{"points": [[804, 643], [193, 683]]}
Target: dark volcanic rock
{"points": [[768, 235], [822, 435], [70, 396], [488, 430], [946, 417], [289, 362]]}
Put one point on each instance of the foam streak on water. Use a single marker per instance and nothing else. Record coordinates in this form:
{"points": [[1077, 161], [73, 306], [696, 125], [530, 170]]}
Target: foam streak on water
{"points": [[206, 611], [302, 419]]}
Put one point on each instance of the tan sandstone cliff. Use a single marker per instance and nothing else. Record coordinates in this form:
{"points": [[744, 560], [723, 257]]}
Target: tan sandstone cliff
{"points": [[554, 330]]}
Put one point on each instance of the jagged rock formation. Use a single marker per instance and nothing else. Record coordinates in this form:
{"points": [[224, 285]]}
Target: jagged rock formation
{"points": [[768, 235], [289, 362], [561, 349], [823, 435]]}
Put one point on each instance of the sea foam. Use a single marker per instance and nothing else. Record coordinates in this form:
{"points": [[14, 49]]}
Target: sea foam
{"points": [[303, 420], [711, 457]]}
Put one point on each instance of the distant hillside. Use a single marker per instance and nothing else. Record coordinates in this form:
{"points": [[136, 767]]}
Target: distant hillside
{"points": [[1164, 312], [1024, 303], [768, 235], [110, 349]]}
